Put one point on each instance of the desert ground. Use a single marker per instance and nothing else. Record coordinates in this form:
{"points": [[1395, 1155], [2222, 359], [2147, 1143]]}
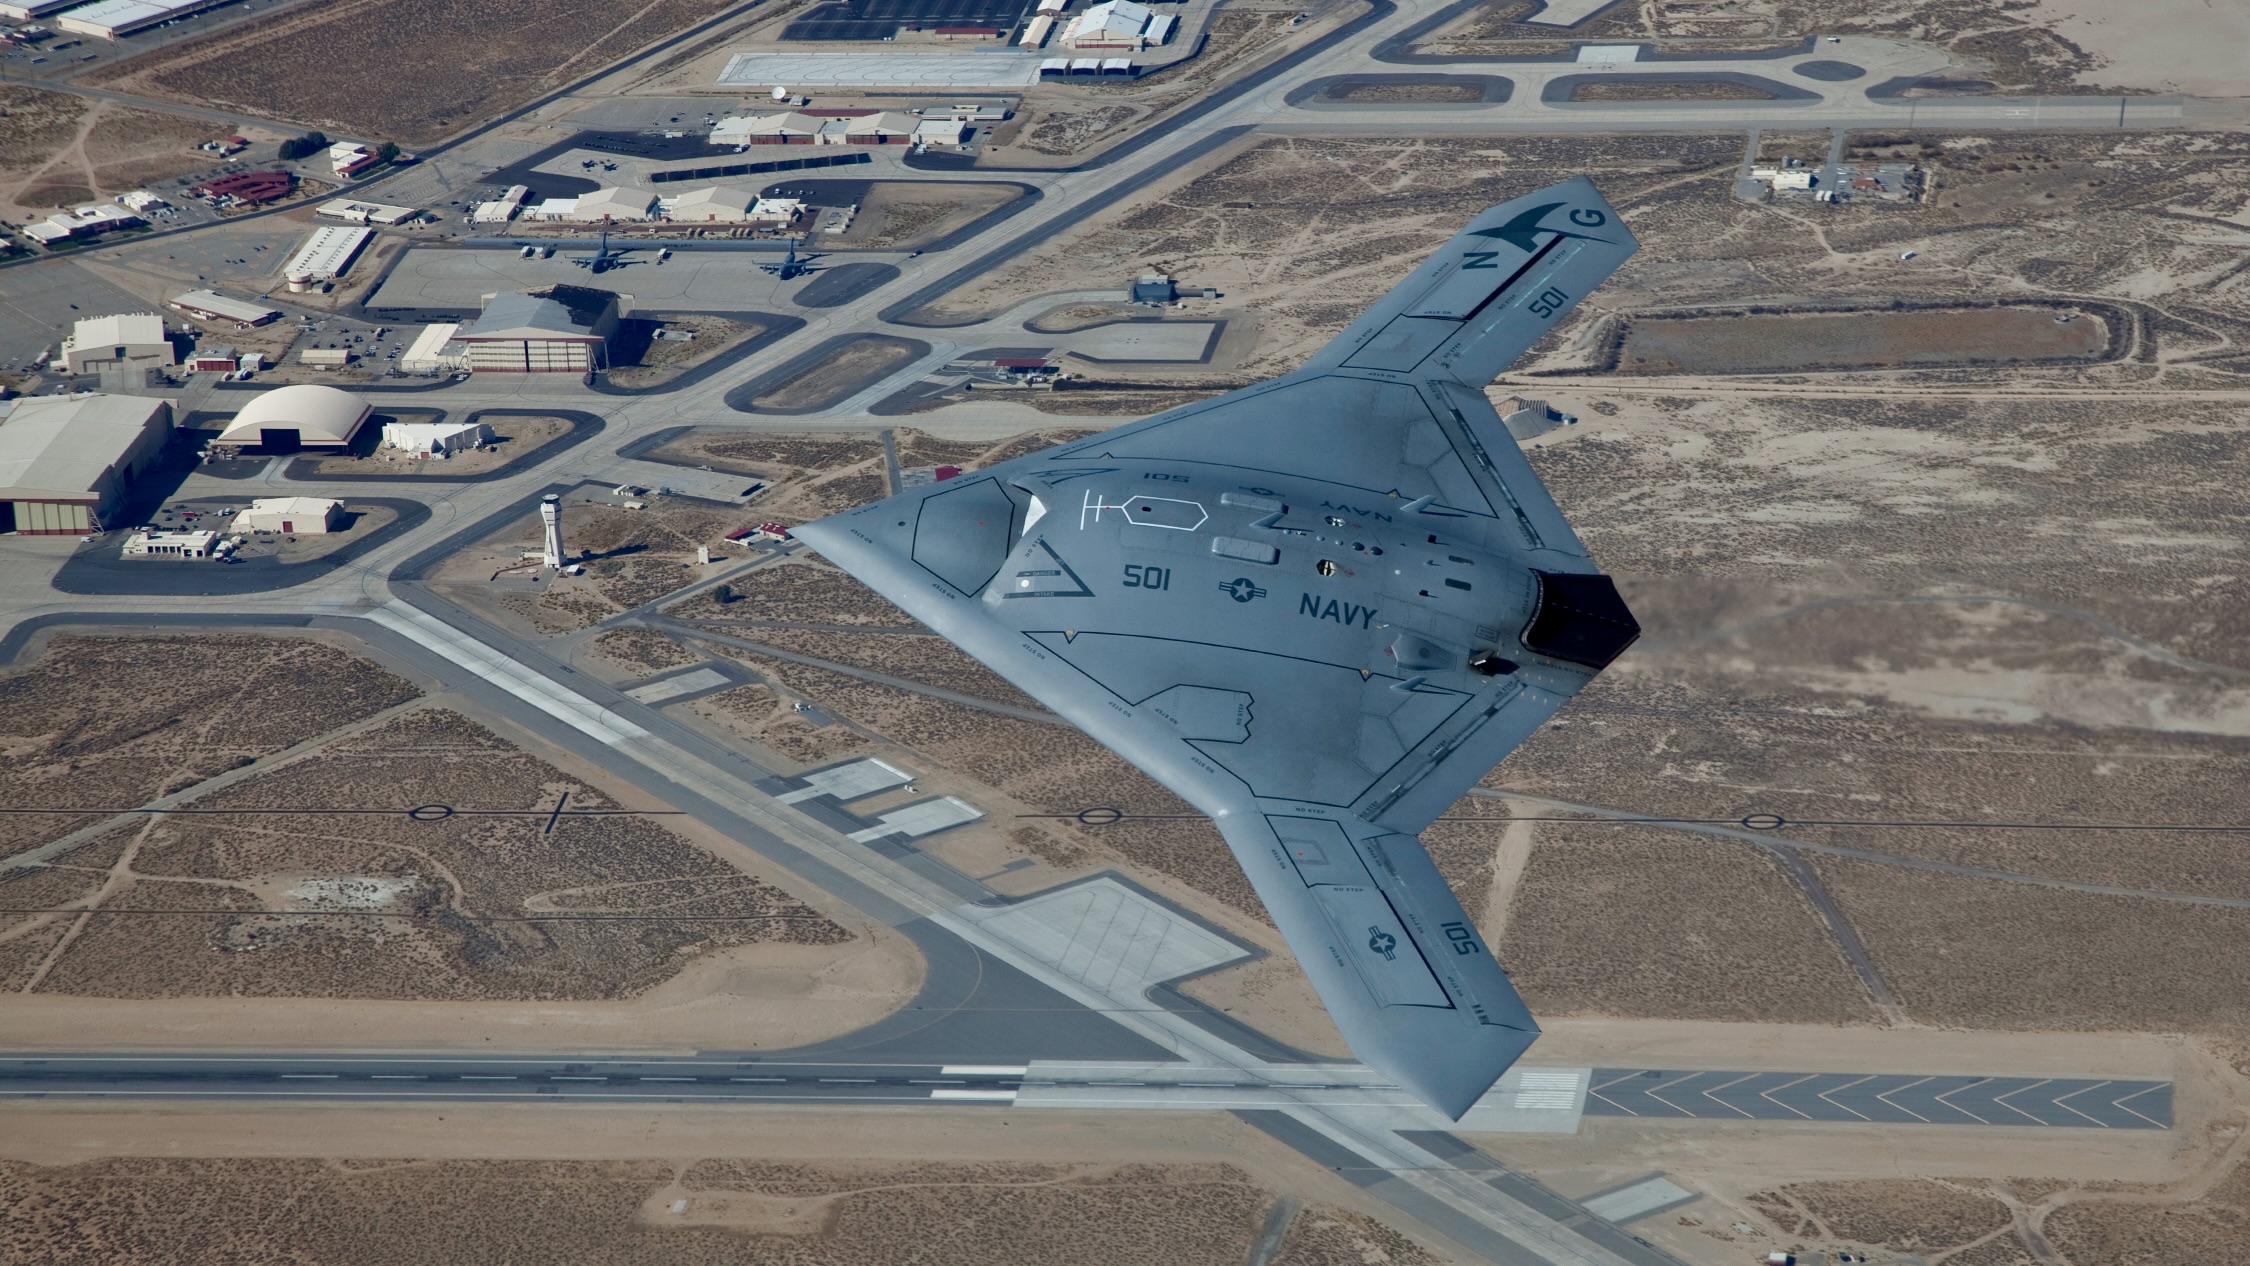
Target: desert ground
{"points": [[291, 896], [907, 215], [659, 360], [59, 150], [1303, 229], [463, 1181], [631, 558], [2036, 47], [394, 69]]}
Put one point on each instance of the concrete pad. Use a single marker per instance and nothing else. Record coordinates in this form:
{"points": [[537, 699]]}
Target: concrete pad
{"points": [[1107, 937], [1637, 1200], [707, 485], [965, 69], [1145, 341], [927, 817], [849, 781], [667, 688], [1568, 12], [1608, 54]]}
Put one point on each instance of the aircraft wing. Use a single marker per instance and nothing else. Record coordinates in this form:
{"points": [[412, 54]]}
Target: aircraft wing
{"points": [[1318, 609]]}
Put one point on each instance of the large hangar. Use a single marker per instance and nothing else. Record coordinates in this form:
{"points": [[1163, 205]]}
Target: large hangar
{"points": [[67, 462], [306, 415], [560, 329]]}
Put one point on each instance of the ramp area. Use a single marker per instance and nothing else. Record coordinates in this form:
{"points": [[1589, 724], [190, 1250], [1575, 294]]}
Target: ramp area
{"points": [[1107, 937]]}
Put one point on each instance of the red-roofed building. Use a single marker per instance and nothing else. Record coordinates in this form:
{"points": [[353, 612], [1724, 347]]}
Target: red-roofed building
{"points": [[249, 186]]}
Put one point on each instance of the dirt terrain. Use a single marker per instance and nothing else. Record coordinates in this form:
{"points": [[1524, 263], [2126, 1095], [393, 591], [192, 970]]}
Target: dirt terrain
{"points": [[2015, 48], [342, 1185], [1739, 343], [850, 368], [1307, 230], [1997, 1221], [794, 592], [631, 557], [905, 215], [662, 359], [109, 723], [1736, 940], [1403, 93], [59, 150], [493, 903], [810, 477], [393, 68], [643, 650], [256, 1211], [1667, 90]]}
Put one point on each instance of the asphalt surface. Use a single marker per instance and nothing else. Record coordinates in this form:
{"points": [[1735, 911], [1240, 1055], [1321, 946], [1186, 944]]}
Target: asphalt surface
{"points": [[747, 1079], [1890, 1099], [906, 1074]]}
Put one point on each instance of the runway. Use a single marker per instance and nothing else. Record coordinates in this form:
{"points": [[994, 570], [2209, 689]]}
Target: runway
{"points": [[1528, 1100], [592, 1079]]}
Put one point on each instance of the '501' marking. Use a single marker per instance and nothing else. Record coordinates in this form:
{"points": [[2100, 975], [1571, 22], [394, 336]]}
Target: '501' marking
{"points": [[1464, 941]]}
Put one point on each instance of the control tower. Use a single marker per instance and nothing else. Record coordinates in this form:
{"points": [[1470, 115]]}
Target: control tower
{"points": [[550, 514]]}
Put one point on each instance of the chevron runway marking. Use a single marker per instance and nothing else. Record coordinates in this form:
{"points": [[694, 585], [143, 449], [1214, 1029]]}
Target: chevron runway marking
{"points": [[2106, 1103]]}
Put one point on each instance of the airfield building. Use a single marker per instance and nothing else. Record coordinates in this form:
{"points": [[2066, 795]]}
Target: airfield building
{"points": [[366, 212], [154, 543], [768, 129], [1111, 24], [712, 205], [209, 305], [618, 205], [558, 330], [435, 439], [250, 187], [303, 416], [886, 127], [132, 341], [941, 132], [67, 463], [501, 209], [325, 256], [715, 205], [84, 222], [436, 350], [302, 516]]}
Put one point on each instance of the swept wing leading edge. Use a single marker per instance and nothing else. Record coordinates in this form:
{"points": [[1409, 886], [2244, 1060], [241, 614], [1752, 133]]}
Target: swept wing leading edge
{"points": [[1317, 609]]}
